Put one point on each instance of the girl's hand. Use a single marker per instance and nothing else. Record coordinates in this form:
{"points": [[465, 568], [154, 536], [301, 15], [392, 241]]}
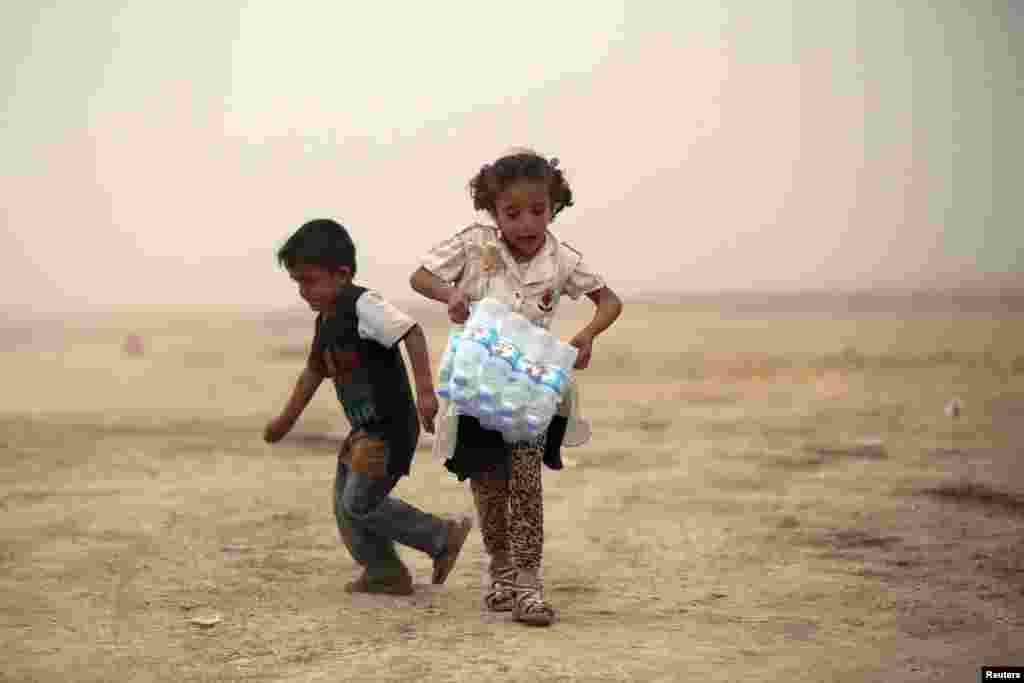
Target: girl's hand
{"points": [[583, 341], [458, 306]]}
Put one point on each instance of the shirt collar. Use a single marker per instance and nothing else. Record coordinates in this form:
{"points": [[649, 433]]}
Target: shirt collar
{"points": [[542, 267]]}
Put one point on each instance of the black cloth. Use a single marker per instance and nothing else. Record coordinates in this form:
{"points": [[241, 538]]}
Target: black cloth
{"points": [[482, 450], [370, 380]]}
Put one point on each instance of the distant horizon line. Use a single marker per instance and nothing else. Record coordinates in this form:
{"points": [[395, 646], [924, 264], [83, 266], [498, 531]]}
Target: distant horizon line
{"points": [[986, 292]]}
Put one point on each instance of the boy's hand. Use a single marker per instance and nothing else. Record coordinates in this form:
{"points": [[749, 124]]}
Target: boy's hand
{"points": [[458, 306], [426, 405], [584, 341], [276, 429]]}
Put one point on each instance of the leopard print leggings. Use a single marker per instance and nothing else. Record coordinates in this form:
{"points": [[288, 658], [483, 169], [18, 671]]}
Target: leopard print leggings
{"points": [[514, 489]]}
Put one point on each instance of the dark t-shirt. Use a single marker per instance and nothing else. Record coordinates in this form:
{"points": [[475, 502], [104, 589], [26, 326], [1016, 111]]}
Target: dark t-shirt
{"points": [[370, 380]]}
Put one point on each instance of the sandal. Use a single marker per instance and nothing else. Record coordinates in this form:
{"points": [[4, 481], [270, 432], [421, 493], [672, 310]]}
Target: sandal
{"points": [[530, 606], [458, 531], [502, 596]]}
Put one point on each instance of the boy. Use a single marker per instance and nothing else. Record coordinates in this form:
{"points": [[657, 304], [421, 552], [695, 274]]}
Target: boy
{"points": [[356, 344]]}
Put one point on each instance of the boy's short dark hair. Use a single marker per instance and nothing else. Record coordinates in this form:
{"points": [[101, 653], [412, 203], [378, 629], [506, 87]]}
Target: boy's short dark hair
{"points": [[321, 242]]}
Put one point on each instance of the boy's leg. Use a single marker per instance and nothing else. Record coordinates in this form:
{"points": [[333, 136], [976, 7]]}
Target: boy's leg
{"points": [[366, 501], [381, 563], [344, 524]]}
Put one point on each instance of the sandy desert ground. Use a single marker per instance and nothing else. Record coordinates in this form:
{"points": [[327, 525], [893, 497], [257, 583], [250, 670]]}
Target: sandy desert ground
{"points": [[768, 497]]}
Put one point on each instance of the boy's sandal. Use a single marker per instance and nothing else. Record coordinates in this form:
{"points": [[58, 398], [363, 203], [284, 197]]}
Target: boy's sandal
{"points": [[530, 606], [502, 596], [458, 531]]}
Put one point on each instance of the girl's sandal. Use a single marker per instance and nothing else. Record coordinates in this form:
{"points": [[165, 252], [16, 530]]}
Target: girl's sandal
{"points": [[530, 606], [501, 597]]}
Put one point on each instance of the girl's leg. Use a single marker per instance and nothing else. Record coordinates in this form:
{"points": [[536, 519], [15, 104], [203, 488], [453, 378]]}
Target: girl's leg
{"points": [[526, 496], [490, 495], [526, 531]]}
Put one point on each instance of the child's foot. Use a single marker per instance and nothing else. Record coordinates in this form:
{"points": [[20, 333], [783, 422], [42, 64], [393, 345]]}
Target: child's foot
{"points": [[458, 531], [530, 606], [399, 584], [501, 597]]}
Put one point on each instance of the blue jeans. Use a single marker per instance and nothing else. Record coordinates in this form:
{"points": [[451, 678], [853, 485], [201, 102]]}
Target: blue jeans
{"points": [[371, 521]]}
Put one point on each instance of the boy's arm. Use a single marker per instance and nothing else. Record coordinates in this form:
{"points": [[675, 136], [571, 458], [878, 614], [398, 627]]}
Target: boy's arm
{"points": [[419, 357], [609, 307], [309, 381], [306, 386]]}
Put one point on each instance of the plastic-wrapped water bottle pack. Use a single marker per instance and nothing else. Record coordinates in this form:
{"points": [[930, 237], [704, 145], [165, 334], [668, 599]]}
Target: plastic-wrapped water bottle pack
{"points": [[505, 371]]}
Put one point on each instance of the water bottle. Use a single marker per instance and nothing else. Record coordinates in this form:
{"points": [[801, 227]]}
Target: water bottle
{"points": [[512, 410], [557, 380], [498, 369], [533, 416], [474, 349], [550, 378], [512, 348], [444, 374], [519, 392], [474, 346]]}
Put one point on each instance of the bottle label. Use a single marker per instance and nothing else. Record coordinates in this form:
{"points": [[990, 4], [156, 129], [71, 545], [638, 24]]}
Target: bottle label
{"points": [[551, 377], [536, 372], [524, 366], [507, 351], [480, 335]]}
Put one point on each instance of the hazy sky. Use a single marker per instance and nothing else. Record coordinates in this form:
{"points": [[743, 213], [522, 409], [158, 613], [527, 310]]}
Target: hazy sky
{"points": [[161, 152]]}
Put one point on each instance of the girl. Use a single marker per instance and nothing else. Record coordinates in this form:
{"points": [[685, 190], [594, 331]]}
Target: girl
{"points": [[520, 262]]}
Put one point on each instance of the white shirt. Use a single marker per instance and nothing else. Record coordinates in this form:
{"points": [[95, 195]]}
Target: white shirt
{"points": [[380, 321], [531, 288]]}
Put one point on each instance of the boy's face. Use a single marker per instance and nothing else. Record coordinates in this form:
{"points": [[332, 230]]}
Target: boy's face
{"points": [[319, 286], [523, 212]]}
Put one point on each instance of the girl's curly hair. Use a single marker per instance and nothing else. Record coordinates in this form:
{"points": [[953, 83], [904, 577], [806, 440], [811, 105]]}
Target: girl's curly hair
{"points": [[493, 179]]}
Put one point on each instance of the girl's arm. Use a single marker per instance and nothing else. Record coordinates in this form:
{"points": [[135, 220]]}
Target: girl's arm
{"points": [[609, 307], [431, 286]]}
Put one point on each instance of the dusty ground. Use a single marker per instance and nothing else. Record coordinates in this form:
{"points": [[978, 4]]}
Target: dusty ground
{"points": [[731, 520]]}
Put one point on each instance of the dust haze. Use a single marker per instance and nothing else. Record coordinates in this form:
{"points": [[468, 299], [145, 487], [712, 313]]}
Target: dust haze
{"points": [[158, 156]]}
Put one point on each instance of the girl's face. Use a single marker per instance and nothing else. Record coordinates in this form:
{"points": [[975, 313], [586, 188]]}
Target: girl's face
{"points": [[523, 211], [319, 286]]}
